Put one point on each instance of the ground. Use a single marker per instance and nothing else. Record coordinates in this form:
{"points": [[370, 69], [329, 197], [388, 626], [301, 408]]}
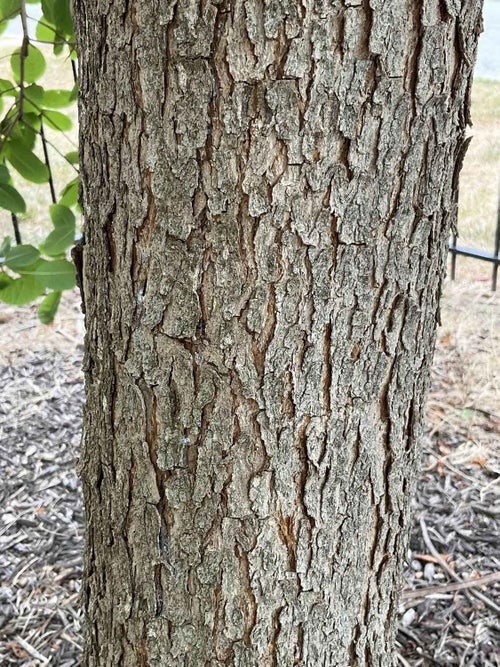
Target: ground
{"points": [[451, 598]]}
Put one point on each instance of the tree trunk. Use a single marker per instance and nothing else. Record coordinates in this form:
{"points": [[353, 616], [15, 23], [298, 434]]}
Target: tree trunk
{"points": [[268, 190]]}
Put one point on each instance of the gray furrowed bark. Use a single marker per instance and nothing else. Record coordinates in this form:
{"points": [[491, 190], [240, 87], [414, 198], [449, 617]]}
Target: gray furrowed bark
{"points": [[268, 189]]}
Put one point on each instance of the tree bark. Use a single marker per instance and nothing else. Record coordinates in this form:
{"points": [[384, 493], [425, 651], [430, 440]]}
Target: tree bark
{"points": [[268, 189]]}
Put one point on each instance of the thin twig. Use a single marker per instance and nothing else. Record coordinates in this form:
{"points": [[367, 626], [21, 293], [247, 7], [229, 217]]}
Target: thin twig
{"points": [[54, 124], [448, 588], [50, 27], [17, 231], [46, 41], [49, 143], [8, 90], [47, 162]]}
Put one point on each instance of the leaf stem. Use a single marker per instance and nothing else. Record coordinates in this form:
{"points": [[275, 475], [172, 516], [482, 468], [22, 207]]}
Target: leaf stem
{"points": [[59, 35], [49, 143], [47, 162]]}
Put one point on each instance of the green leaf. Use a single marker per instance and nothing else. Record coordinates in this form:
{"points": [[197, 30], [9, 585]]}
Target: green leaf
{"points": [[48, 10], [5, 247], [8, 122], [26, 162], [34, 93], [45, 31], [4, 174], [32, 121], [62, 16], [25, 131], [72, 157], [58, 241], [9, 9], [58, 274], [33, 98], [56, 99], [8, 88], [58, 14], [57, 120], [21, 256], [61, 216], [25, 135], [34, 64], [5, 280], [22, 290], [48, 308], [69, 194], [11, 200]]}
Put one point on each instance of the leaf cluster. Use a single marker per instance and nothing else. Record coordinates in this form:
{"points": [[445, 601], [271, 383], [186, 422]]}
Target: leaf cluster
{"points": [[27, 108]]}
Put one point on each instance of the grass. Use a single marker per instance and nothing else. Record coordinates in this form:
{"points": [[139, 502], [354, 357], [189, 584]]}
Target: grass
{"points": [[479, 180]]}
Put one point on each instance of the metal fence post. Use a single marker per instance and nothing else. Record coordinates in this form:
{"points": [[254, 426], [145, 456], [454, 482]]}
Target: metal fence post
{"points": [[497, 245]]}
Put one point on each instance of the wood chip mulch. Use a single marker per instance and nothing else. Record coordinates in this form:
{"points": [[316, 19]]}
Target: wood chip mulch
{"points": [[450, 607], [41, 535]]}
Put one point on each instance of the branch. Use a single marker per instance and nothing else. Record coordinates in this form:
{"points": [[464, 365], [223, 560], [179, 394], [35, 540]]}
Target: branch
{"points": [[47, 162], [17, 231], [49, 143]]}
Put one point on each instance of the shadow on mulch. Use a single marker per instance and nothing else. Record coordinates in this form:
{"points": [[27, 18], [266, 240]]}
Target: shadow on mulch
{"points": [[451, 599]]}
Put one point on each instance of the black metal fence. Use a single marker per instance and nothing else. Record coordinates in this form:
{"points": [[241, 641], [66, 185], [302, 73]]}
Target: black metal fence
{"points": [[483, 255]]}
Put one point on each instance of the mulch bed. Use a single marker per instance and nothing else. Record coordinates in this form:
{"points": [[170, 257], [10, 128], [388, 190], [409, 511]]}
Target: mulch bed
{"points": [[451, 601], [41, 518]]}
